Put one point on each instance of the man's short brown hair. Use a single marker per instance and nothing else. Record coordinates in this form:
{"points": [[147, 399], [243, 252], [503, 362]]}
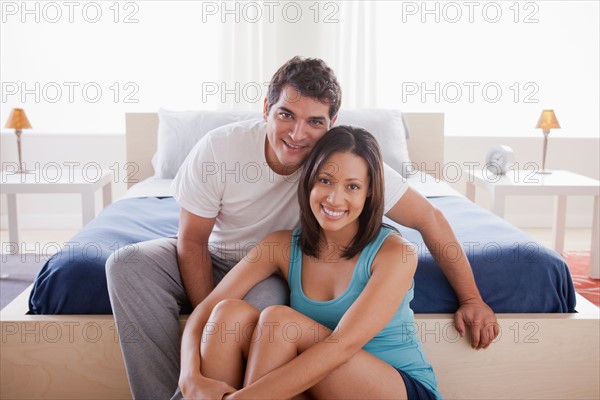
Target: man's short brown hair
{"points": [[311, 77]]}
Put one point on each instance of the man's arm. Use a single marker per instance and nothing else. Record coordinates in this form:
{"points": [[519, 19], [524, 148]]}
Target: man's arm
{"points": [[416, 212], [194, 260]]}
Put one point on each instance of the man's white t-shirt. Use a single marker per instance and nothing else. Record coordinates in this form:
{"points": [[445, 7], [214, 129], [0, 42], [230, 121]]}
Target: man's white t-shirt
{"points": [[226, 176]]}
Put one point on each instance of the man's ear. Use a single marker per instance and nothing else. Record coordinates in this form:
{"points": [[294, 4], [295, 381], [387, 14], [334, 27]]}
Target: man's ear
{"points": [[265, 109]]}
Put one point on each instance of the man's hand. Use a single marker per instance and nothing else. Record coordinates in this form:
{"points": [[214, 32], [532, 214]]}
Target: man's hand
{"points": [[481, 321], [204, 388]]}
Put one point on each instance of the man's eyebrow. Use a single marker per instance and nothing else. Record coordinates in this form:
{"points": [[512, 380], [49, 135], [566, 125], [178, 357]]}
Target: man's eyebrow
{"points": [[287, 110], [318, 118]]}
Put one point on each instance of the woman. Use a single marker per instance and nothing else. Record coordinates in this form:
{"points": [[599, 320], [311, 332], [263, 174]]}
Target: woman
{"points": [[348, 332]]}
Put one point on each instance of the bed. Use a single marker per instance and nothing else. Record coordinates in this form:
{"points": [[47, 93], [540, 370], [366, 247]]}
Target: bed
{"points": [[69, 347]]}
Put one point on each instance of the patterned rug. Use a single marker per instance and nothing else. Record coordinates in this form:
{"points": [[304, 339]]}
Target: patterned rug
{"points": [[579, 265]]}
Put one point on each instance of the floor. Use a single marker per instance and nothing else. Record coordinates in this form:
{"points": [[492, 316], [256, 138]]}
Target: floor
{"points": [[46, 242], [43, 242], [575, 239]]}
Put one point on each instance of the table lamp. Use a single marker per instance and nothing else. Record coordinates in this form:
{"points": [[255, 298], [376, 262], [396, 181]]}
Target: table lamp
{"points": [[546, 122], [17, 120]]}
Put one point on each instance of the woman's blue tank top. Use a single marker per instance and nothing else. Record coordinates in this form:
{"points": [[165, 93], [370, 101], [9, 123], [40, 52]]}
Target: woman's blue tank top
{"points": [[396, 344]]}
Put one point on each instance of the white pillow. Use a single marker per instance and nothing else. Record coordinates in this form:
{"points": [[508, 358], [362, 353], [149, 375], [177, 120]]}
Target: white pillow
{"points": [[179, 131], [389, 129]]}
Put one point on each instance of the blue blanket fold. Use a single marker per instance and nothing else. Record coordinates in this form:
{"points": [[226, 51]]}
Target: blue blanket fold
{"points": [[514, 273], [73, 281]]}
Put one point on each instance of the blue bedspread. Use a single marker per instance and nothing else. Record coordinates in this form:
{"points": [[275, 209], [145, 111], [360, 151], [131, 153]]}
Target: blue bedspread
{"points": [[73, 281], [513, 272]]}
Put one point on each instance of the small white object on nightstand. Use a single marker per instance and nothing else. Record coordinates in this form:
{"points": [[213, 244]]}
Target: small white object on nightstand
{"points": [[499, 159]]}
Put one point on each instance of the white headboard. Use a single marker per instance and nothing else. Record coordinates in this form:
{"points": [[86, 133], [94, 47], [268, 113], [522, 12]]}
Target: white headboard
{"points": [[425, 144]]}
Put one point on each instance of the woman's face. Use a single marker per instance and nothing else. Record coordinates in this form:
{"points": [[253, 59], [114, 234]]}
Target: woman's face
{"points": [[339, 194]]}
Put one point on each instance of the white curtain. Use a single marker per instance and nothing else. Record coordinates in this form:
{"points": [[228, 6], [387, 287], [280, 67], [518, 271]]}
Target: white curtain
{"points": [[174, 50], [355, 55], [242, 65], [342, 33]]}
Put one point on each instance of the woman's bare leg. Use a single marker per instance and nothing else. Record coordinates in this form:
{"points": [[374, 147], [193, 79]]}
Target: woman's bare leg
{"points": [[285, 333], [226, 341]]}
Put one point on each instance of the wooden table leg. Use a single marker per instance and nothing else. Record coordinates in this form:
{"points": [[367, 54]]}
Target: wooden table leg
{"points": [[107, 194], [471, 191], [498, 204], [595, 249], [88, 207], [13, 224], [558, 228]]}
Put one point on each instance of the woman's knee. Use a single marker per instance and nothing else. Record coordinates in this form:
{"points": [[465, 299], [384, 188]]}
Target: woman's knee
{"points": [[234, 310], [285, 323], [231, 319], [278, 313], [281, 322]]}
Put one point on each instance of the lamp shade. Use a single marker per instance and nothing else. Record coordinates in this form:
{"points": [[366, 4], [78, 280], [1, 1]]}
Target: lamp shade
{"points": [[547, 121], [17, 119]]}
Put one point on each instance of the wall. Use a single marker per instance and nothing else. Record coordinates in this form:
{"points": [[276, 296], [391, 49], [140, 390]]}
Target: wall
{"points": [[45, 152], [149, 54], [486, 64], [580, 155]]}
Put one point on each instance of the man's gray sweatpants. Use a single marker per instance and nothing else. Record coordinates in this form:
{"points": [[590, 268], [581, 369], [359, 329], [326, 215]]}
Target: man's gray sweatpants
{"points": [[146, 294]]}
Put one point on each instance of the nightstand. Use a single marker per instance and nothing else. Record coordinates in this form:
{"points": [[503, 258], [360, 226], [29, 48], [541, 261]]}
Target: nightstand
{"points": [[528, 183], [79, 181]]}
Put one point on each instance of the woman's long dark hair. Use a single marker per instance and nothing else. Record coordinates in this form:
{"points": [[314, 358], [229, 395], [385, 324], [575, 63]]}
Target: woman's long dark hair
{"points": [[343, 139]]}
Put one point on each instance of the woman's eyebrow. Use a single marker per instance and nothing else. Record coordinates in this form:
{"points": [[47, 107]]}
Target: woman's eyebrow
{"points": [[355, 179], [325, 173]]}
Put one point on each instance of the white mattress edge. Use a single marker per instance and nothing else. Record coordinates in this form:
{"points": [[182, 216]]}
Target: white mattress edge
{"points": [[430, 186], [427, 185], [150, 187]]}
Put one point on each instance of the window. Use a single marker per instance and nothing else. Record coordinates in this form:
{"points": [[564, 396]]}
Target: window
{"points": [[77, 67]]}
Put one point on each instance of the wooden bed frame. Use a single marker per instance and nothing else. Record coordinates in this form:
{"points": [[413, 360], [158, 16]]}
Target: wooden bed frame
{"points": [[537, 356]]}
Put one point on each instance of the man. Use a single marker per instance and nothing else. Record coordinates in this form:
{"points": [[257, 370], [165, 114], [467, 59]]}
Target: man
{"points": [[223, 213]]}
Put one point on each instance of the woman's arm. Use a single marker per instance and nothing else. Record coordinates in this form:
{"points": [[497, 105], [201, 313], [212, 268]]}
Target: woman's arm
{"points": [[392, 273], [260, 263]]}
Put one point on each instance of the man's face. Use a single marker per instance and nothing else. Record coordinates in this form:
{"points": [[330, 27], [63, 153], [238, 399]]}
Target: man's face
{"points": [[294, 125]]}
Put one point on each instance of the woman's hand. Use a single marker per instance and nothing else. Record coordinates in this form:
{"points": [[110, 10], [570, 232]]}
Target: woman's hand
{"points": [[204, 388]]}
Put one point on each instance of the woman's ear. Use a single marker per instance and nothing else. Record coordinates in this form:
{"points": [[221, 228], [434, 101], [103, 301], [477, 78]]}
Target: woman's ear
{"points": [[265, 109], [332, 122]]}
